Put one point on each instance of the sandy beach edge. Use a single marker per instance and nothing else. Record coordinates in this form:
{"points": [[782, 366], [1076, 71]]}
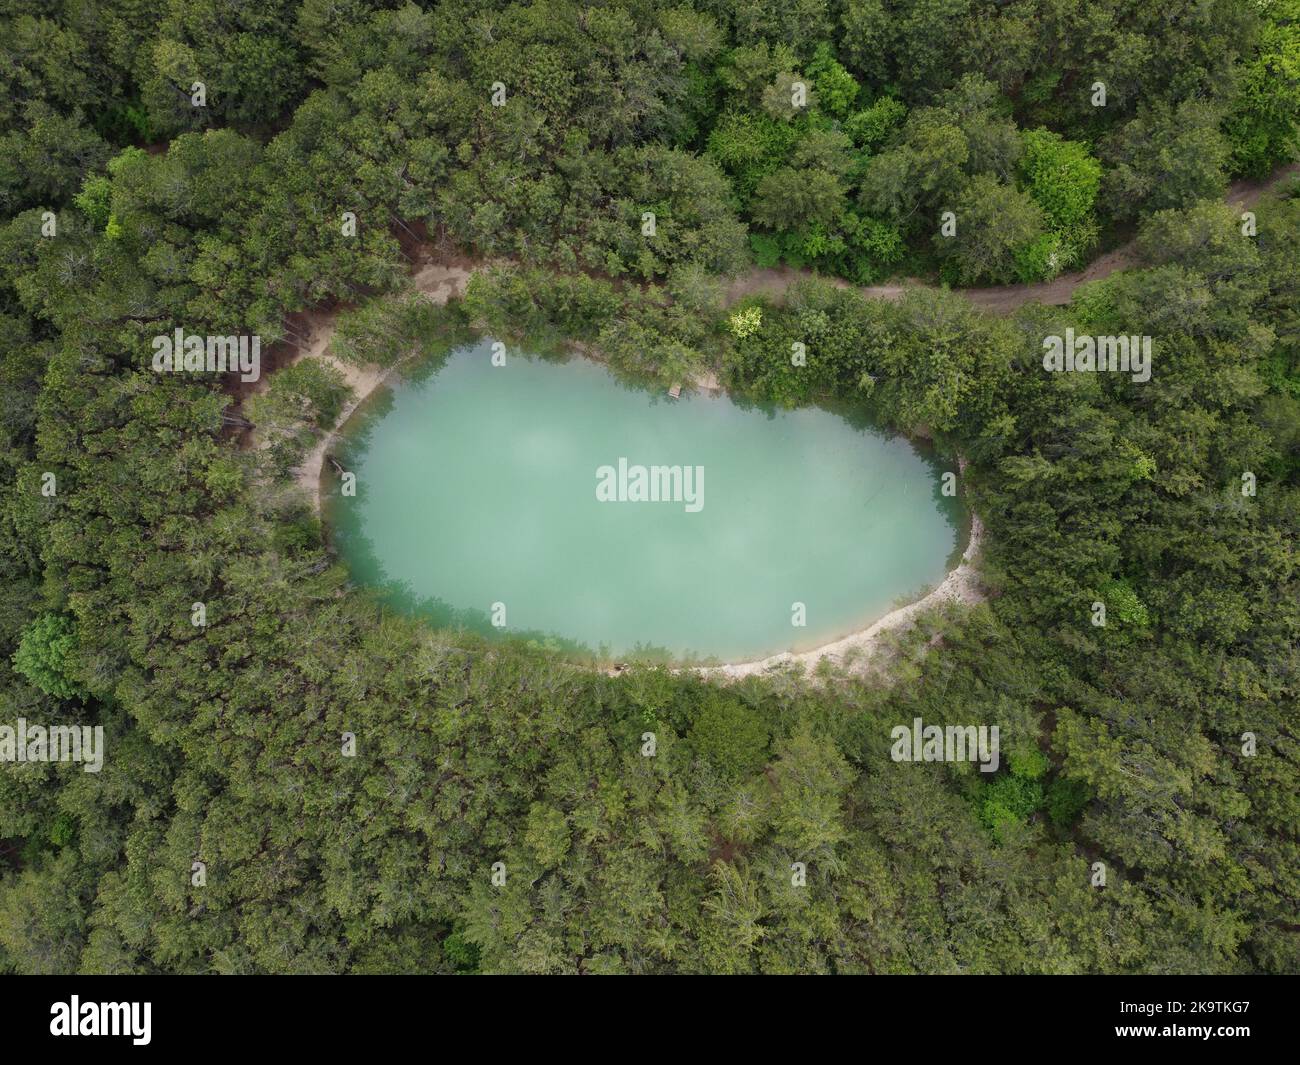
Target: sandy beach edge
{"points": [[442, 283]]}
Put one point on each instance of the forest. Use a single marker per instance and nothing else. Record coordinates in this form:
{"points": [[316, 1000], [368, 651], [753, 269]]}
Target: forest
{"points": [[229, 169]]}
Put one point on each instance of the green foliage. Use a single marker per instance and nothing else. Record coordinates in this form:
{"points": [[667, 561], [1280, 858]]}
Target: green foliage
{"points": [[1041, 259], [315, 391], [797, 199], [1008, 801], [1066, 799], [873, 246], [1207, 236], [460, 953], [385, 331], [250, 69], [95, 200], [836, 88], [1165, 157], [766, 249], [47, 653], [1029, 763], [750, 145], [1263, 127], [125, 123], [1123, 605], [995, 222], [730, 736], [547, 835], [745, 322], [62, 831], [874, 125], [225, 739], [45, 155], [1063, 178]]}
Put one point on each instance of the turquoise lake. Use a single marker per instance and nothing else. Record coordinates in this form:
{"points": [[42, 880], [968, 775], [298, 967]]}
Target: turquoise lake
{"points": [[479, 490]]}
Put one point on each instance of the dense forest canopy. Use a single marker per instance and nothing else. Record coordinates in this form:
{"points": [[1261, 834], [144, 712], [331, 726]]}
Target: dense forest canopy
{"points": [[194, 164]]}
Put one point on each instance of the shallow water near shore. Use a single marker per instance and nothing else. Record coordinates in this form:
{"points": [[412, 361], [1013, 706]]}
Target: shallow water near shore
{"points": [[510, 493]]}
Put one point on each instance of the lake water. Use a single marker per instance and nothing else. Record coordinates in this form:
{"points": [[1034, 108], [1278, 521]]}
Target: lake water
{"points": [[477, 491]]}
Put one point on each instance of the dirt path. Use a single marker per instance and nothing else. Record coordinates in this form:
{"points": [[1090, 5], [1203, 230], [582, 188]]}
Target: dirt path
{"points": [[1000, 299], [441, 283]]}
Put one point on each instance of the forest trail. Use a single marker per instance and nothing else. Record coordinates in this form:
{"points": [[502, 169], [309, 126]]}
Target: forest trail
{"points": [[441, 282], [436, 282], [998, 299]]}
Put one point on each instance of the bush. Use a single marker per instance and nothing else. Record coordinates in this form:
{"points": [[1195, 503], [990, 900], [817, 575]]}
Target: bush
{"points": [[872, 127], [745, 322], [730, 736], [1122, 602], [461, 953], [1029, 763], [1062, 177], [1066, 799], [44, 655], [1009, 800], [766, 248], [837, 89], [1040, 259]]}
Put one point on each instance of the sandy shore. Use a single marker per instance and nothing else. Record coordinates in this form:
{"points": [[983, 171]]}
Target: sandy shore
{"points": [[442, 283], [855, 650], [438, 284]]}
